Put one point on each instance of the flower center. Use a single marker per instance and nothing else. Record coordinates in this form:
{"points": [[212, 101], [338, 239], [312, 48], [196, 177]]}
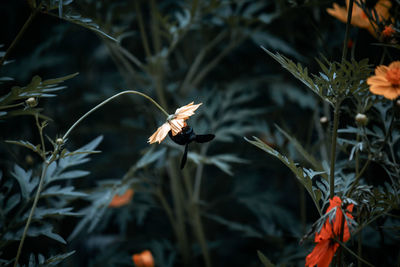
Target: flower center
{"points": [[393, 76], [171, 117]]}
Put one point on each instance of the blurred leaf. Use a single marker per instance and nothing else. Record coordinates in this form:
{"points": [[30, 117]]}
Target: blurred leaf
{"points": [[264, 259]]}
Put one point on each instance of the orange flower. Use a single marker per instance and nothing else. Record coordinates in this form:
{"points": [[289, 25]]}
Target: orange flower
{"points": [[358, 17], [174, 123], [386, 80], [326, 246], [121, 200], [388, 31], [144, 259]]}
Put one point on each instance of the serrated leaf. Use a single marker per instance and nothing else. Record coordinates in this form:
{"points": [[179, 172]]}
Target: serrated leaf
{"points": [[302, 174], [307, 156], [69, 175], [26, 144], [12, 202], [24, 180], [62, 191], [300, 73]]}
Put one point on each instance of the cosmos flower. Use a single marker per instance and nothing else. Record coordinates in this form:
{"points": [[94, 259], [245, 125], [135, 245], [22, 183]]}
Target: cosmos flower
{"points": [[326, 245], [121, 200], [174, 123], [386, 80], [143, 259], [359, 18]]}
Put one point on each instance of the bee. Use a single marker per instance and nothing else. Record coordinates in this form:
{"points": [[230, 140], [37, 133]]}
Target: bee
{"points": [[186, 136]]}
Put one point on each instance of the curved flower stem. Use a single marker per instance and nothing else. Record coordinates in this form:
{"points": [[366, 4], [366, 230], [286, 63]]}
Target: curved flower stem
{"points": [[346, 35], [108, 100], [35, 201], [333, 148]]}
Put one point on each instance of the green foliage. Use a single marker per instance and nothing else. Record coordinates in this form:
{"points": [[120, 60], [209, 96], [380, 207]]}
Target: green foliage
{"points": [[36, 89]]}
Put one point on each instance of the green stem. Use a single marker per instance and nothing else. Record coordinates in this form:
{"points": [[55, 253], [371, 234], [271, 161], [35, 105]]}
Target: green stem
{"points": [[142, 30], [12, 106], [108, 100], [19, 35], [346, 35], [35, 201], [333, 149], [178, 200], [352, 253]]}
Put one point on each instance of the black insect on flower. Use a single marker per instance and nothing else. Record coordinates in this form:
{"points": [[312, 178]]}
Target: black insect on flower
{"points": [[186, 136]]}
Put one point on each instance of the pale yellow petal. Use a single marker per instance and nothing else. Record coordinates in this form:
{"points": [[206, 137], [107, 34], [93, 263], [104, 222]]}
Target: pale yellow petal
{"points": [[160, 134], [176, 125], [186, 111], [381, 70]]}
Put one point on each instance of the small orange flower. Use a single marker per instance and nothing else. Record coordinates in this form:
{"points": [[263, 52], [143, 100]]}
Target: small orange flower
{"points": [[144, 259], [174, 123], [388, 31], [326, 246], [122, 200], [358, 17], [386, 80]]}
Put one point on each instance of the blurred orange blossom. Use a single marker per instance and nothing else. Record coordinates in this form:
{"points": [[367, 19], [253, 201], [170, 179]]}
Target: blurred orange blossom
{"points": [[121, 200], [143, 259], [326, 246], [359, 18], [386, 80], [174, 123]]}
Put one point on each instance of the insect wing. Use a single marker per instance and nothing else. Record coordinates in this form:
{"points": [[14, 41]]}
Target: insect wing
{"points": [[203, 138]]}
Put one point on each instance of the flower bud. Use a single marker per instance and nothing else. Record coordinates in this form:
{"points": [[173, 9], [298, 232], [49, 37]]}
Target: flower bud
{"points": [[59, 141], [31, 102], [361, 119], [323, 120]]}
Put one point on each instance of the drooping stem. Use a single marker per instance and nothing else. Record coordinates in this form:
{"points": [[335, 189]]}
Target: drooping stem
{"points": [[108, 100], [346, 35], [19, 35], [35, 201], [333, 149]]}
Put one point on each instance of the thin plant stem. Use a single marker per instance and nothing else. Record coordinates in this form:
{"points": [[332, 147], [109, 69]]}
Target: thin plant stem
{"points": [[178, 200], [348, 24], [40, 128], [142, 30], [352, 253], [194, 213], [359, 249], [12, 106], [35, 201], [333, 149], [199, 174], [19, 35], [108, 100]]}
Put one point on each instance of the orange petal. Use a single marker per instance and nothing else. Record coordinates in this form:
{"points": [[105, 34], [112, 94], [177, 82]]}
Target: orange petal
{"points": [[338, 12], [186, 111], [177, 125], [322, 254], [378, 81], [381, 70], [120, 200], [382, 8], [391, 94], [160, 134], [394, 64]]}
